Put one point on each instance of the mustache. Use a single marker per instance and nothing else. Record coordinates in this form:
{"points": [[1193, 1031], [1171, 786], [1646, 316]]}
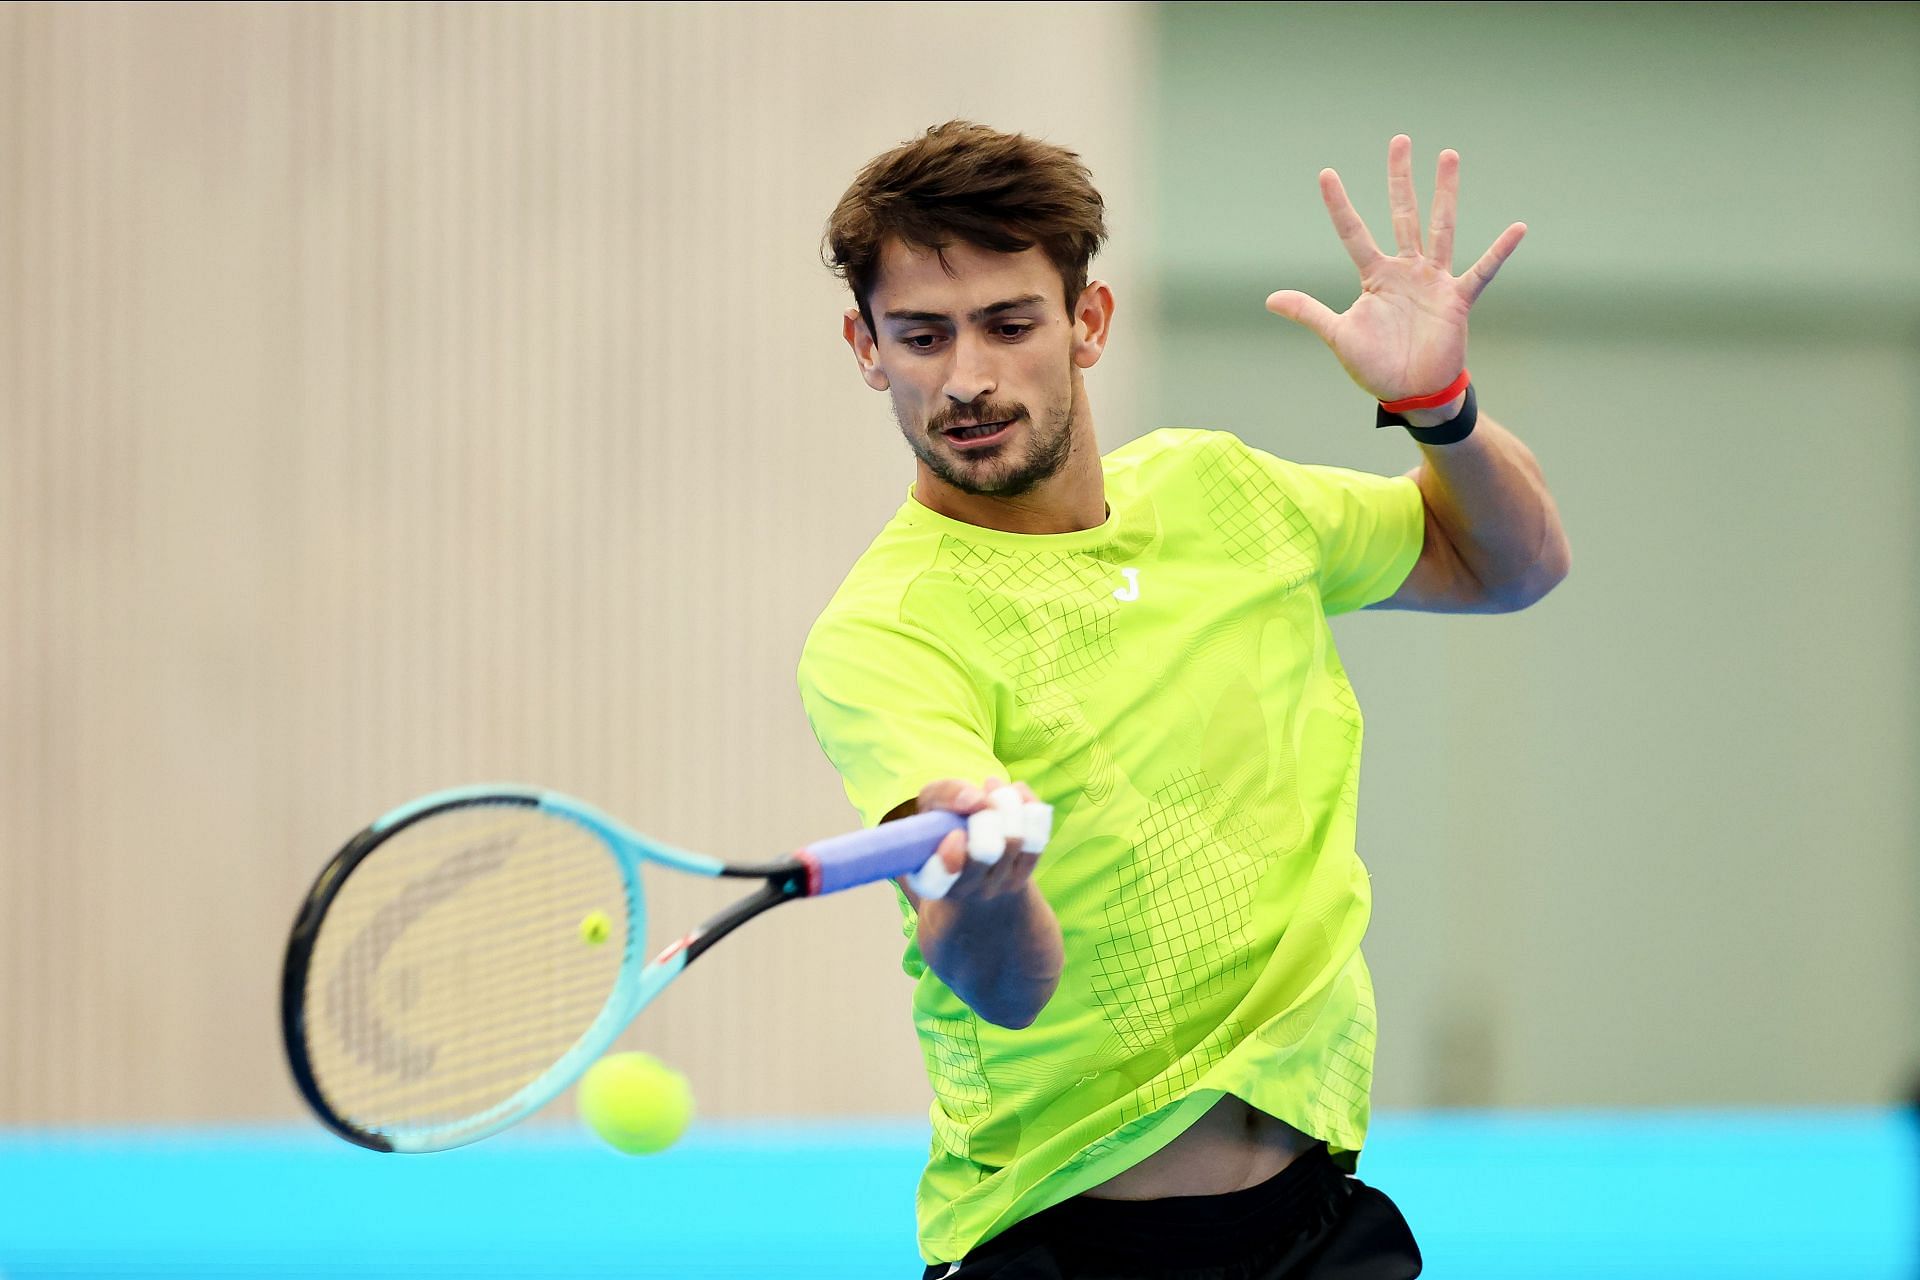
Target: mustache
{"points": [[973, 415]]}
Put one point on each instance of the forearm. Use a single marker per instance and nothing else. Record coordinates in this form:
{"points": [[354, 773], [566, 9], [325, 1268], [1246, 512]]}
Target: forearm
{"points": [[1487, 493], [1002, 956]]}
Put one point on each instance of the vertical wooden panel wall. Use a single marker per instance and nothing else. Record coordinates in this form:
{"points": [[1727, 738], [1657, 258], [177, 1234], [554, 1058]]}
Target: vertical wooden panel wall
{"points": [[397, 396]]}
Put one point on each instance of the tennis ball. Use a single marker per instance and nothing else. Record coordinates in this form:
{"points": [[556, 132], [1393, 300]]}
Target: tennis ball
{"points": [[596, 928], [635, 1102]]}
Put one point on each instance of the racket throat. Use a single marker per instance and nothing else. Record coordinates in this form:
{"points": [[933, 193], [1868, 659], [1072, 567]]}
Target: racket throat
{"points": [[782, 889]]}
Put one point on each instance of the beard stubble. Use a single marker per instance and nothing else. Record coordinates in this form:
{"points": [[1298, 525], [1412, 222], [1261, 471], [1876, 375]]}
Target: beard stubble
{"points": [[1048, 446]]}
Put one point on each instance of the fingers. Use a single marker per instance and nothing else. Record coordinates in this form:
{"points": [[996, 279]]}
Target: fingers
{"points": [[952, 851], [1009, 874], [1446, 200], [1400, 197], [950, 858], [958, 870], [1025, 819], [1301, 309], [995, 853], [1018, 831], [937, 876], [994, 832], [987, 830], [953, 794], [964, 871], [1480, 274], [1347, 223]]}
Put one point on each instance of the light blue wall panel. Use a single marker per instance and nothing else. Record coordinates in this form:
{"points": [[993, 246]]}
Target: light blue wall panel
{"points": [[1655, 841]]}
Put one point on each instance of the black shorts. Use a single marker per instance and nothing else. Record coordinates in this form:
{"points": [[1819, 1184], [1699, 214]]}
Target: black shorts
{"points": [[1307, 1222]]}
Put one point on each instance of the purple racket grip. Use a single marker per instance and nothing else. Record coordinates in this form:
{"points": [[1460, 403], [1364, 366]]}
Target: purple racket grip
{"points": [[891, 849]]}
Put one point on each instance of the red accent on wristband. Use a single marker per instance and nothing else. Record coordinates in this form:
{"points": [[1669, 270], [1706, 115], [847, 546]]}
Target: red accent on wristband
{"points": [[1433, 401]]}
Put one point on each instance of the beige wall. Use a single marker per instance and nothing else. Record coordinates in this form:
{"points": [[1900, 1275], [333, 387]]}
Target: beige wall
{"points": [[393, 397]]}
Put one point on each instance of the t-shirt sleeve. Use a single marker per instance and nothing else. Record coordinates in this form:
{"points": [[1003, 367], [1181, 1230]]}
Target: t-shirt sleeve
{"points": [[1370, 529], [894, 710]]}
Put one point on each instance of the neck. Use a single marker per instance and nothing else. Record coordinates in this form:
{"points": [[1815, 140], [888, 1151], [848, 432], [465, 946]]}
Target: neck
{"points": [[1071, 499]]}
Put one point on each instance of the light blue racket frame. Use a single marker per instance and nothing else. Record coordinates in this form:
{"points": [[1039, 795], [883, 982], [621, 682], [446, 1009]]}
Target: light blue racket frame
{"points": [[891, 849]]}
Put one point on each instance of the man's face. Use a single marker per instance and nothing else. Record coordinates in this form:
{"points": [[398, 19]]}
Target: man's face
{"points": [[978, 363]]}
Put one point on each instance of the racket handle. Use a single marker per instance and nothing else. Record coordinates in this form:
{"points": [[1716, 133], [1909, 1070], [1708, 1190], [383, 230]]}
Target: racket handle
{"points": [[895, 848]]}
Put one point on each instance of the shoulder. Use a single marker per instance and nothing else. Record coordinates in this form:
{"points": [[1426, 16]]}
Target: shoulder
{"points": [[1221, 460], [1170, 449], [1173, 453], [867, 612], [897, 554], [1213, 468], [1179, 468]]}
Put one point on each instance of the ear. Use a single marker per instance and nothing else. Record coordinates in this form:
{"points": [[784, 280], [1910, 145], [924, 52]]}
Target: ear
{"points": [[1092, 322], [866, 352]]}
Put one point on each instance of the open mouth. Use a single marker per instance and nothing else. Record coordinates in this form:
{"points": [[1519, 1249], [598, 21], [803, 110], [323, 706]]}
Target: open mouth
{"points": [[979, 433]]}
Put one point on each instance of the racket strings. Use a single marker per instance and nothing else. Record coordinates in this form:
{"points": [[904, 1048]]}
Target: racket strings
{"points": [[348, 1005], [433, 1003], [451, 970], [441, 930], [578, 1004], [460, 1097]]}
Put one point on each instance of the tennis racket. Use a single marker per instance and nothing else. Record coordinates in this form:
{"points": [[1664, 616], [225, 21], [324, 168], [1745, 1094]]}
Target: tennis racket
{"points": [[462, 961]]}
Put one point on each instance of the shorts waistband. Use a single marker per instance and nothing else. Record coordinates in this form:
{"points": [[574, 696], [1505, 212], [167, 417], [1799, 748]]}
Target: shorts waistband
{"points": [[1298, 1198]]}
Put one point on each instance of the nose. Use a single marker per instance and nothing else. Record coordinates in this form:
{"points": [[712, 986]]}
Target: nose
{"points": [[971, 375]]}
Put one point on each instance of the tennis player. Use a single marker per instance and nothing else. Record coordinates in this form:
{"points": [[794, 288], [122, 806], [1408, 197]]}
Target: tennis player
{"points": [[1151, 1049]]}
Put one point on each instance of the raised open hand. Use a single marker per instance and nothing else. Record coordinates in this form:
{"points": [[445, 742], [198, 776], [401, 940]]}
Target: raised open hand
{"points": [[1406, 334]]}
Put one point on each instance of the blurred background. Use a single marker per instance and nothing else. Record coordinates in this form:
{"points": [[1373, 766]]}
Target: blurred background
{"points": [[396, 396]]}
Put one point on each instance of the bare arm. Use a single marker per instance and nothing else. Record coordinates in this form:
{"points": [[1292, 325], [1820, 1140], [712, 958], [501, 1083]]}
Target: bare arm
{"points": [[1489, 497], [1494, 542], [992, 939]]}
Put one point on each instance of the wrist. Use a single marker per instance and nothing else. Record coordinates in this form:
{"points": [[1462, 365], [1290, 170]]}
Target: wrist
{"points": [[1446, 395], [1002, 956], [1434, 417], [1442, 431]]}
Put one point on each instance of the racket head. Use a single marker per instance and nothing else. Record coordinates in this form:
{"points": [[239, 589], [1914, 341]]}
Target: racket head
{"points": [[445, 978]]}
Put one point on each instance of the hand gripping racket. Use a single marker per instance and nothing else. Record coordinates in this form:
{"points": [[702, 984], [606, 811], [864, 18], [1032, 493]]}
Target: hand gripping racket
{"points": [[466, 958]]}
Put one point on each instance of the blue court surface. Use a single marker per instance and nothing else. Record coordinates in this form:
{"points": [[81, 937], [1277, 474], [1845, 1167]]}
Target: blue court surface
{"points": [[1492, 1196]]}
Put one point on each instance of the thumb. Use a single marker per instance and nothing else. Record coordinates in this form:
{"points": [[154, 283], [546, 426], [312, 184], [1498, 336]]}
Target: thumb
{"points": [[952, 851], [1301, 309]]}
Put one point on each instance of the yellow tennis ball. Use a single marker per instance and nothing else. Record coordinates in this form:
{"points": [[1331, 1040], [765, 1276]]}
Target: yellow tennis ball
{"points": [[596, 928], [635, 1102]]}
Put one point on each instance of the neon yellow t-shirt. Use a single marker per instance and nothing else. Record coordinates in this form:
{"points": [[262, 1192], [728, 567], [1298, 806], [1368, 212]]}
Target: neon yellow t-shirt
{"points": [[1167, 681]]}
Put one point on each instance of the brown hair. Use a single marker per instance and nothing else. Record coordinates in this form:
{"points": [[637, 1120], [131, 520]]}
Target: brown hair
{"points": [[1003, 192]]}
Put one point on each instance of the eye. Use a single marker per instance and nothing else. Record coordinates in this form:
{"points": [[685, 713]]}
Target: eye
{"points": [[921, 341], [1013, 332]]}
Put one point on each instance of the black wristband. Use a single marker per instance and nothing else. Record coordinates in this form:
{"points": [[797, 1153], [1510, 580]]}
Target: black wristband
{"points": [[1452, 431]]}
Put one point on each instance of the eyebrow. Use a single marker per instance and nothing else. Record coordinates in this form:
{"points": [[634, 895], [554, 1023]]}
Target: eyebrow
{"points": [[941, 317]]}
